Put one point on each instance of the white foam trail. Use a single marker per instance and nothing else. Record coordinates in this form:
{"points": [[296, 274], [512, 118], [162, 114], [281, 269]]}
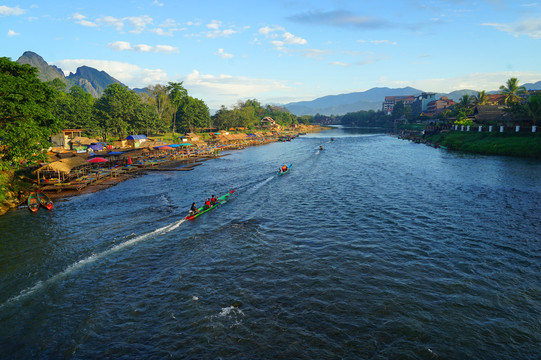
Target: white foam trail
{"points": [[257, 186], [81, 263]]}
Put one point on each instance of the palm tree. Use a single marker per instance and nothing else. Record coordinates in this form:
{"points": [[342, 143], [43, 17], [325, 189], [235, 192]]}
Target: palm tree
{"points": [[512, 92], [482, 98], [534, 108]]}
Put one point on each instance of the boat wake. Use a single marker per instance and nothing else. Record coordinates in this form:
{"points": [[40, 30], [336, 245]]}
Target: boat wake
{"points": [[89, 260], [259, 185]]}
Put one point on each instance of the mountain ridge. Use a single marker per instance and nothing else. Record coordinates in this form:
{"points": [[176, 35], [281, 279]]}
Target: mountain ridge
{"points": [[95, 81]]}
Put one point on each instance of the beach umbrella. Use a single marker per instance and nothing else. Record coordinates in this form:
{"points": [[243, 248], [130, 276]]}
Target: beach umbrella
{"points": [[96, 160], [166, 147], [129, 160], [186, 144]]}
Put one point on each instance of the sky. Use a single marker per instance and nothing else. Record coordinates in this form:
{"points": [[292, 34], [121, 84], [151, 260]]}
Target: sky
{"points": [[283, 51]]}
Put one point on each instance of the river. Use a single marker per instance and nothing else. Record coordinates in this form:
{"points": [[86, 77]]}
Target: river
{"points": [[373, 248]]}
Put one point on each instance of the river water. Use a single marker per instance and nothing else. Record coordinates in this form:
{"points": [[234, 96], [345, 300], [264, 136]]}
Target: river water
{"points": [[373, 248]]}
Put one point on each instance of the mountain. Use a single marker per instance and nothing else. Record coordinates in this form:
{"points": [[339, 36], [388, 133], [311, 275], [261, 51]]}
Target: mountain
{"points": [[341, 104], [46, 72], [91, 80], [534, 86]]}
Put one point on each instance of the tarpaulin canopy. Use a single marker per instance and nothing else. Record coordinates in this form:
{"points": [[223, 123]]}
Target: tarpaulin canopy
{"points": [[166, 147], [96, 147], [136, 137], [96, 160], [115, 153], [186, 144]]}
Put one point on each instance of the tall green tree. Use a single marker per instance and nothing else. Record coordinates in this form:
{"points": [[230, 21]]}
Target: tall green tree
{"points": [[26, 114], [193, 113], [534, 108], [118, 106], [512, 91], [481, 98], [176, 94]]}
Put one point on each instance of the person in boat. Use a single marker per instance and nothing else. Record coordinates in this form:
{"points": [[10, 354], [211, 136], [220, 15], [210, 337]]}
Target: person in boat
{"points": [[320, 147], [193, 209], [213, 200], [207, 203], [284, 168]]}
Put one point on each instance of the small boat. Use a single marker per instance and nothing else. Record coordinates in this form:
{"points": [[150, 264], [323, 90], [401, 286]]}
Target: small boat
{"points": [[45, 201], [222, 199], [33, 202], [280, 172]]}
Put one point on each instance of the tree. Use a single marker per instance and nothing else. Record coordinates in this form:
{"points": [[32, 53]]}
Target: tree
{"points": [[193, 113], [481, 98], [512, 92], [26, 114], [118, 107], [534, 107], [176, 94]]}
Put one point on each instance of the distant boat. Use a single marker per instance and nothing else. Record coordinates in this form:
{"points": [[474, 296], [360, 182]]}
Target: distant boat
{"points": [[45, 201], [33, 202]]}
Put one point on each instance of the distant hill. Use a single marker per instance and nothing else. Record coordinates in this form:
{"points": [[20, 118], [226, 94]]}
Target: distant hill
{"points": [[46, 72], [91, 80], [341, 104], [533, 86]]}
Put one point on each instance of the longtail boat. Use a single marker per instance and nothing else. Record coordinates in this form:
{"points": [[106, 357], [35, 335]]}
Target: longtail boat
{"points": [[33, 202], [280, 172], [45, 201], [219, 201]]}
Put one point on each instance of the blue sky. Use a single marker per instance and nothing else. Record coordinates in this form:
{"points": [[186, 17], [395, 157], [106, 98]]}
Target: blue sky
{"points": [[283, 51]]}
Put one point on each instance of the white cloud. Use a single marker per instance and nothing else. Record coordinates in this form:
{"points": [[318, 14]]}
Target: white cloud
{"points": [[12, 33], [224, 55], [476, 81], [214, 25], [81, 20], [279, 37], [218, 89], [126, 46], [7, 11], [157, 3], [529, 27], [129, 74]]}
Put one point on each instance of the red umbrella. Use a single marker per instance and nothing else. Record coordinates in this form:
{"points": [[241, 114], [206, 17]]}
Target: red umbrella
{"points": [[166, 147], [97, 160], [129, 160]]}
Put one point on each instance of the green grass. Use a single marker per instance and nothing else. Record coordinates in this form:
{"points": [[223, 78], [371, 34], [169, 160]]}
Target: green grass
{"points": [[509, 144]]}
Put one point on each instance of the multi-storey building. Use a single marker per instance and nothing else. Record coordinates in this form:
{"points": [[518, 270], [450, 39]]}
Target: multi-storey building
{"points": [[390, 102], [437, 106], [421, 103]]}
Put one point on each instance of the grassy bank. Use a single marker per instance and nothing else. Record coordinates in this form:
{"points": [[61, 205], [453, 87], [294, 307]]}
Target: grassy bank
{"points": [[509, 144]]}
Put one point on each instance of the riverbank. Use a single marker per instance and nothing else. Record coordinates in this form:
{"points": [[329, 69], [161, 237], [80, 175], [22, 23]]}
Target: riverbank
{"points": [[15, 186], [504, 144]]}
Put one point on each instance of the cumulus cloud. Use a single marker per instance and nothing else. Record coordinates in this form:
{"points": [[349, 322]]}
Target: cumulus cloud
{"points": [[475, 81], [224, 55], [529, 27], [7, 11], [129, 74], [279, 37], [136, 24], [217, 89], [126, 46], [12, 33]]}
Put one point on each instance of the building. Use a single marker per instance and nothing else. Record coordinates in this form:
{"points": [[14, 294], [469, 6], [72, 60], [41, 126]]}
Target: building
{"points": [[420, 104], [437, 106], [268, 122], [63, 139], [391, 101]]}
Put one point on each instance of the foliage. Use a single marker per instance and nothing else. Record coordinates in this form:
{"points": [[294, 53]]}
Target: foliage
{"points": [[26, 114], [118, 106], [248, 114], [465, 122], [193, 113], [534, 107], [512, 92], [367, 118], [509, 144]]}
